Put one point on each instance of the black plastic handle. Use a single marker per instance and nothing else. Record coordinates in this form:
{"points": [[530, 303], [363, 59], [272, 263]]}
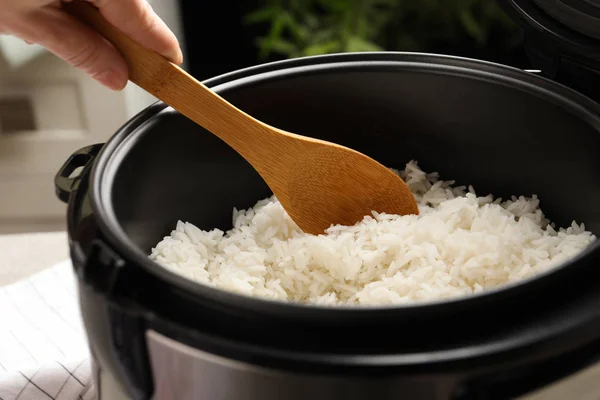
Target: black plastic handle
{"points": [[64, 183]]}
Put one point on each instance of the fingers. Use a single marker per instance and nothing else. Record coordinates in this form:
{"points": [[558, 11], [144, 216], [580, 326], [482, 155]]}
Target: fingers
{"points": [[72, 41], [136, 19], [50, 27], [22, 5]]}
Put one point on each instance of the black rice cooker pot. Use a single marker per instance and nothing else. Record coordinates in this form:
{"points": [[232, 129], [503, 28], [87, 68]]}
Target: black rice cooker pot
{"points": [[156, 335]]}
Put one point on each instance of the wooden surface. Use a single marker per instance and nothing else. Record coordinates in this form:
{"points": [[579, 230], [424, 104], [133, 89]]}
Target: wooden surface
{"points": [[318, 183]]}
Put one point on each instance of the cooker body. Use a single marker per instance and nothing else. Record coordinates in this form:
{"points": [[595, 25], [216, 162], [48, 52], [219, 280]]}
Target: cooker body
{"points": [[499, 129]]}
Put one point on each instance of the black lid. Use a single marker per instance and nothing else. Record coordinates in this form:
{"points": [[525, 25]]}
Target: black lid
{"points": [[582, 16], [562, 38]]}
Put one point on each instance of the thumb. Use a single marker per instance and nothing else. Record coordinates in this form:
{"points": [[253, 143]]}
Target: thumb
{"points": [[137, 19], [70, 40]]}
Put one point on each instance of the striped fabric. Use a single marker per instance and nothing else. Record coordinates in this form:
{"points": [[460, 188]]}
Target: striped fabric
{"points": [[43, 349]]}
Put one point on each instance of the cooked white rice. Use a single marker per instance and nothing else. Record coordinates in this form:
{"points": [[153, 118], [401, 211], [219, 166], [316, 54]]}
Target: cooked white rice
{"points": [[458, 244]]}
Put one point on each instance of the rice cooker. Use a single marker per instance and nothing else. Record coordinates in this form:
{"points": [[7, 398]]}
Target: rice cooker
{"points": [[155, 335]]}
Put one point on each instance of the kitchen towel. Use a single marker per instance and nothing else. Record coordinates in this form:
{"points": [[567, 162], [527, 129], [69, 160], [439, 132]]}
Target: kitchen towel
{"points": [[43, 348]]}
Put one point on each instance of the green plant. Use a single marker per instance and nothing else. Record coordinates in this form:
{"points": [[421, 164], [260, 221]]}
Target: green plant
{"points": [[421, 24], [309, 27]]}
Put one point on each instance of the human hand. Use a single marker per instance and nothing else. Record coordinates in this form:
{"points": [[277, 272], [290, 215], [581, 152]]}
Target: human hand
{"points": [[44, 22]]}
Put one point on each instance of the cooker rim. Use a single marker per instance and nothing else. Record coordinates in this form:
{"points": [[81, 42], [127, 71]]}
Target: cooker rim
{"points": [[115, 235]]}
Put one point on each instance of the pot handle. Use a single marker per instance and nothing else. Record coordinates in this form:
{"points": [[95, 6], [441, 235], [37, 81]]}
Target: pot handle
{"points": [[64, 183]]}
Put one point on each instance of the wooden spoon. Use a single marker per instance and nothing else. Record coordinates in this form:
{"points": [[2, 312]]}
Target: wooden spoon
{"points": [[317, 182]]}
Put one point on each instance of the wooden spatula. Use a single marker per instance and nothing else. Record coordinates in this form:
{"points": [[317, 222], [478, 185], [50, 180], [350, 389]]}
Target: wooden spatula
{"points": [[317, 182]]}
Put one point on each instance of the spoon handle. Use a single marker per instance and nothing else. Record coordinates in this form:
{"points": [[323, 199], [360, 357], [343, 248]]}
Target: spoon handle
{"points": [[171, 84]]}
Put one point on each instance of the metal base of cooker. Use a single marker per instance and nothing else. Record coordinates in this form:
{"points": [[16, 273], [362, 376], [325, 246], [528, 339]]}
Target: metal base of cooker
{"points": [[583, 385]]}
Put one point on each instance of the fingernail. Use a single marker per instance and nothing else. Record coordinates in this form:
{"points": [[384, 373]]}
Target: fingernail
{"points": [[176, 56], [112, 79], [179, 57]]}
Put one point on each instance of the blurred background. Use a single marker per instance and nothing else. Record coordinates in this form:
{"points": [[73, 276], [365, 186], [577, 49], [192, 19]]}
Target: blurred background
{"points": [[233, 35], [48, 109]]}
